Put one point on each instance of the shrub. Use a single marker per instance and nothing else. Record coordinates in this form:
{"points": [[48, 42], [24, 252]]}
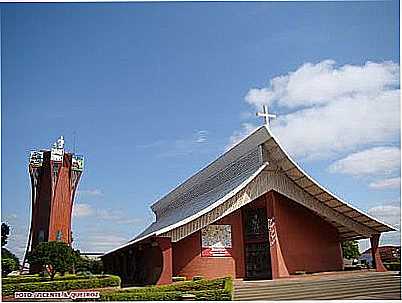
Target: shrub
{"points": [[5, 253], [183, 286], [62, 284], [142, 296], [8, 265], [394, 266], [38, 278], [5, 232], [85, 264], [212, 290], [9, 261]]}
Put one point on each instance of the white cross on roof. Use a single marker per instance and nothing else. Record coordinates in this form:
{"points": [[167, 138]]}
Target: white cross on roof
{"points": [[266, 115]]}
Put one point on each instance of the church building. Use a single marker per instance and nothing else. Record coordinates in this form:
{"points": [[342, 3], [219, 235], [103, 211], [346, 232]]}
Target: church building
{"points": [[253, 213]]}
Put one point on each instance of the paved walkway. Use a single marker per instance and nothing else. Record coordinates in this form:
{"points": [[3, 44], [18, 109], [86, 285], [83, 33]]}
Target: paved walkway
{"points": [[356, 285]]}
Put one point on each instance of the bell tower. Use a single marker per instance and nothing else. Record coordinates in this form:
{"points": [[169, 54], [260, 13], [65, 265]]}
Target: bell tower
{"points": [[55, 175]]}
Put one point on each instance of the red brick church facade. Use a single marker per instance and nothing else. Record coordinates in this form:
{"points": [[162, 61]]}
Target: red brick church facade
{"points": [[278, 222], [305, 242]]}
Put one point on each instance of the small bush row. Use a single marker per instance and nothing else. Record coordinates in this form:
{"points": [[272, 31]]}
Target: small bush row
{"points": [[182, 286], [37, 278], [204, 295], [141, 296], [392, 265], [61, 285], [211, 290], [181, 279]]}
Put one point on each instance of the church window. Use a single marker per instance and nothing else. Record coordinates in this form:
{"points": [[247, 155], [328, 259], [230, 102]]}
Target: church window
{"points": [[59, 235], [41, 236], [256, 223]]}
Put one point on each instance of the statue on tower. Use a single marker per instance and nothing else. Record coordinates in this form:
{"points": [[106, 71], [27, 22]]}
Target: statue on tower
{"points": [[59, 143], [57, 150]]}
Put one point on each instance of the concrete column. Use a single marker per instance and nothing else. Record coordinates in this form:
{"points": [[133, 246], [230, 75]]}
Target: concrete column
{"points": [[278, 265], [165, 246], [124, 265], [375, 252]]}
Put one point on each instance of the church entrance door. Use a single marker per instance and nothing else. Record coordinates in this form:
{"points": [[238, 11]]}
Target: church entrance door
{"points": [[256, 243]]}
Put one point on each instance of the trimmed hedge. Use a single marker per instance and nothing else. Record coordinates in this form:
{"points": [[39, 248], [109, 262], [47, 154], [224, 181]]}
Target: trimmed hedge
{"points": [[211, 290], [204, 295], [37, 278], [182, 286], [141, 296], [394, 266], [63, 284]]}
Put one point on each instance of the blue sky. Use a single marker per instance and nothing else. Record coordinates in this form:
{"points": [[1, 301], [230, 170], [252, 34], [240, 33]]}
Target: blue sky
{"points": [[155, 91]]}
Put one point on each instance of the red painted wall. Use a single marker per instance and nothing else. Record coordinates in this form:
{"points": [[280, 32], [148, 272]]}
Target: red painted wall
{"points": [[165, 246], [187, 260], [60, 216], [41, 210], [308, 242]]}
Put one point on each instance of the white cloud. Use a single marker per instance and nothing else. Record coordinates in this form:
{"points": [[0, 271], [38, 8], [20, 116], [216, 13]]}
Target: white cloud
{"points": [[131, 221], [386, 183], [377, 160], [17, 241], [90, 192], [390, 214], [333, 109], [100, 242], [237, 136], [317, 84], [18, 237], [185, 146], [83, 210], [201, 136], [259, 97], [110, 214]]}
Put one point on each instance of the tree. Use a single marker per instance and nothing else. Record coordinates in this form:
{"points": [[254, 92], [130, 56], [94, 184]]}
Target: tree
{"points": [[6, 254], [5, 232], [9, 261], [86, 264], [350, 249], [54, 256], [8, 265]]}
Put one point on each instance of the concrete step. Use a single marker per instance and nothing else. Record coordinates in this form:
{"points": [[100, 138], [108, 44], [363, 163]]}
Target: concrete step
{"points": [[281, 283], [299, 286], [323, 294], [365, 286], [307, 292], [317, 285], [378, 295], [305, 278]]}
